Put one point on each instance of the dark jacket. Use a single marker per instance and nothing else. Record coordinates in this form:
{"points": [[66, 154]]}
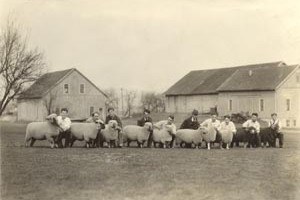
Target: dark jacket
{"points": [[141, 122], [189, 124], [115, 117]]}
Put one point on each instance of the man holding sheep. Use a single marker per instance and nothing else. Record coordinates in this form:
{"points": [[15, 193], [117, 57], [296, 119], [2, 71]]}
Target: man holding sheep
{"points": [[142, 121], [170, 123], [191, 123], [216, 124], [252, 128], [64, 123], [112, 116]]}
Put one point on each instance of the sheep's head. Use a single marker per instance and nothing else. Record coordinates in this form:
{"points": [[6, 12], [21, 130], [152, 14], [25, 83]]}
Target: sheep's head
{"points": [[148, 126], [100, 124], [169, 128], [52, 118], [113, 124]]}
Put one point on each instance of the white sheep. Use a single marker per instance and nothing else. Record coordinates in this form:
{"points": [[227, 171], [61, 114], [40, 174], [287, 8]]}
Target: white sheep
{"points": [[84, 131], [227, 136], [209, 134], [110, 133], [47, 130], [163, 136], [137, 133], [190, 136]]}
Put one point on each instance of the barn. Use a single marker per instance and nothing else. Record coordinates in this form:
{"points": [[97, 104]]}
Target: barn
{"points": [[262, 88], [60, 89]]}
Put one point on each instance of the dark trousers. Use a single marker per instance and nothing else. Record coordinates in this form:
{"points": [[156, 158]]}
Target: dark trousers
{"points": [[64, 135], [276, 134], [254, 139], [173, 141], [150, 140]]}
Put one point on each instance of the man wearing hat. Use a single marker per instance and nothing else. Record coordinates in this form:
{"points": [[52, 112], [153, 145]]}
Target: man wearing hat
{"points": [[191, 123], [142, 121]]}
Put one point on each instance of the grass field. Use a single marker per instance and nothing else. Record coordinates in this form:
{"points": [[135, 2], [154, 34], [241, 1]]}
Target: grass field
{"points": [[132, 173]]}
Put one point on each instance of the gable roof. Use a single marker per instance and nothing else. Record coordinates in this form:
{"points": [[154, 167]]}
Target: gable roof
{"points": [[210, 81], [260, 79], [48, 81]]}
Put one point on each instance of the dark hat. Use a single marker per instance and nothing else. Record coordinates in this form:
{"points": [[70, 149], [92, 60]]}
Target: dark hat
{"points": [[255, 114], [110, 108], [227, 116], [273, 114], [146, 111], [172, 117], [195, 112]]}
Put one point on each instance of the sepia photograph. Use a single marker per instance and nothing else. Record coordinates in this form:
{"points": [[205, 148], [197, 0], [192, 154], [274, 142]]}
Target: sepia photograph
{"points": [[149, 99]]}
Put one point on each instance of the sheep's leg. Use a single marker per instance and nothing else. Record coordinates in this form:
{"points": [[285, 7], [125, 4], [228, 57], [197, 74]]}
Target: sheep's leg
{"points": [[128, 143], [26, 141], [227, 146], [208, 145], [221, 145], [51, 141], [164, 145], [32, 141]]}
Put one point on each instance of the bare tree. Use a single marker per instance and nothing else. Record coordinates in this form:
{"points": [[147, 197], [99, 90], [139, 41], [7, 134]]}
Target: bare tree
{"points": [[130, 96], [153, 101], [113, 99], [19, 65]]}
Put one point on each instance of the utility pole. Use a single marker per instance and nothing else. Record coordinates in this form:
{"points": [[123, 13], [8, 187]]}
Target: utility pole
{"points": [[122, 101]]}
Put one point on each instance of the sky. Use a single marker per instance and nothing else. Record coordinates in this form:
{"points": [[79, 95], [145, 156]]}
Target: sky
{"points": [[149, 45]]}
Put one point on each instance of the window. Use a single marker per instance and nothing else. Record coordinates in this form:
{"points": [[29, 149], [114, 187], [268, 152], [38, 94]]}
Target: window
{"points": [[288, 104], [91, 110], [287, 123], [230, 105], [295, 122], [66, 88], [81, 88], [261, 105]]}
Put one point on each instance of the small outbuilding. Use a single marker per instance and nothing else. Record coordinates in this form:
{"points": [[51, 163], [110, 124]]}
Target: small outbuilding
{"points": [[61, 89]]}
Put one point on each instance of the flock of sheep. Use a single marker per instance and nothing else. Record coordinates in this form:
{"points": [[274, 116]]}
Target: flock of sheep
{"points": [[89, 132]]}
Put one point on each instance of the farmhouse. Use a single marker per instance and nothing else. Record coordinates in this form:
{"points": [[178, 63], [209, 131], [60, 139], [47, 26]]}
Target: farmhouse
{"points": [[262, 88], [61, 89]]}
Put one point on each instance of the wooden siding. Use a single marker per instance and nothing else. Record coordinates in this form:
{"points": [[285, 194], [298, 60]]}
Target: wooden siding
{"points": [[77, 103], [247, 101], [185, 104], [289, 90]]}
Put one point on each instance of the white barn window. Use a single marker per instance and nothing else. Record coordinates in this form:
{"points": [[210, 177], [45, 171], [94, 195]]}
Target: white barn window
{"points": [[81, 89], [288, 104], [261, 105], [66, 88]]}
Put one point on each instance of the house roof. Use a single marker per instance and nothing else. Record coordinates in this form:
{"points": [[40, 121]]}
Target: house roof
{"points": [[211, 81], [46, 82]]}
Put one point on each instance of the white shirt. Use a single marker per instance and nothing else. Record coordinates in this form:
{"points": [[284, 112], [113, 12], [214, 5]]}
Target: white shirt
{"points": [[64, 124], [230, 126], [164, 123], [276, 122], [249, 123], [215, 124]]}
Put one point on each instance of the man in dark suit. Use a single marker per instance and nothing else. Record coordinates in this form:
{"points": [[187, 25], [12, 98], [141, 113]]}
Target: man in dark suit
{"points": [[191, 123], [142, 121], [112, 116]]}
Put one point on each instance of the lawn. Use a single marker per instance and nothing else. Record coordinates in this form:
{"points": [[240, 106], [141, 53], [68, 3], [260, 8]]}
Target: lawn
{"points": [[132, 173]]}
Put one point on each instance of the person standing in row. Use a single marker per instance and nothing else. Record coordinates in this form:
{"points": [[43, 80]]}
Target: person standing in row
{"points": [[65, 123], [112, 116], [252, 128], [191, 123], [275, 128], [141, 122]]}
